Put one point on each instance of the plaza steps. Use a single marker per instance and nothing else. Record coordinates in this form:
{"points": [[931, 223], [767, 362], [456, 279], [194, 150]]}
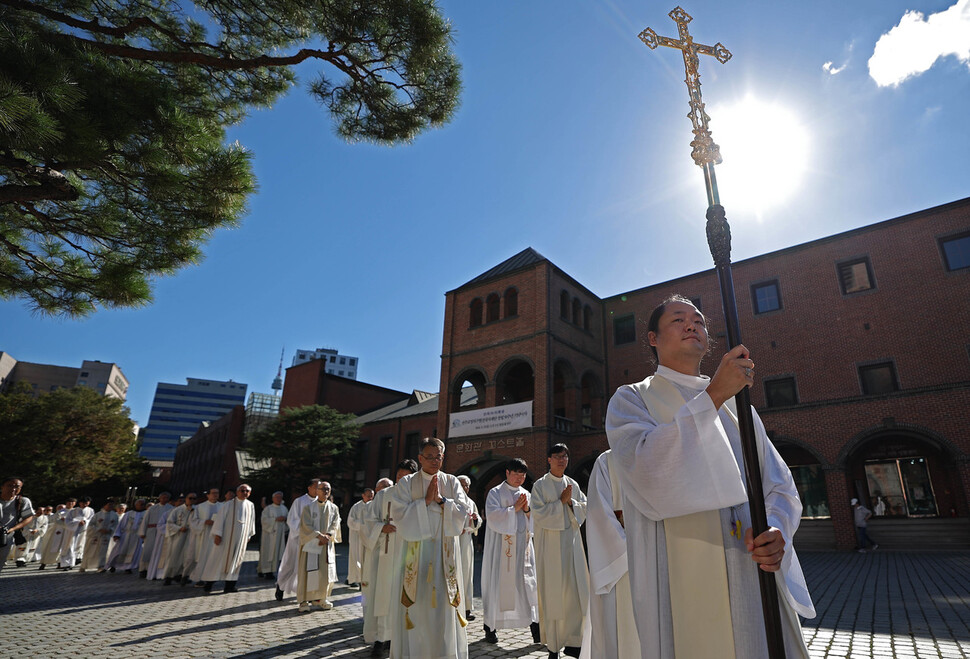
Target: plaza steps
{"points": [[942, 533]]}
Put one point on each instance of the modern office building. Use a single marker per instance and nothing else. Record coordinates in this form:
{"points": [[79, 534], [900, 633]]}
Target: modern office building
{"points": [[336, 364], [178, 409], [104, 377]]}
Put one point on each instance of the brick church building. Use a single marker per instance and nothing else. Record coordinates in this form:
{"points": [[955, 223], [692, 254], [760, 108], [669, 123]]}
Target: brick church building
{"points": [[862, 345]]}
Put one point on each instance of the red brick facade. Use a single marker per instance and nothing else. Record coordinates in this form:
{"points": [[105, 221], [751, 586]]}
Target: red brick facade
{"points": [[526, 330]]}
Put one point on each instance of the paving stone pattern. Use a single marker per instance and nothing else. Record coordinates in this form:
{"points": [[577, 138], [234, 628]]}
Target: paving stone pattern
{"points": [[879, 605]]}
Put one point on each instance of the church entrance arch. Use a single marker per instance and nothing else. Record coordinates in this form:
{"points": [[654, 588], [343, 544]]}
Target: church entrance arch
{"points": [[905, 474]]}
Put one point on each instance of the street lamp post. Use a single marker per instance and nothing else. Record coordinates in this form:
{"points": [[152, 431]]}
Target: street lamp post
{"points": [[706, 154]]}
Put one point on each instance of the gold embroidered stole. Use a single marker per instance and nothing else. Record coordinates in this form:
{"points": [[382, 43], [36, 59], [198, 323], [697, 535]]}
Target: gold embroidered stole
{"points": [[412, 559], [699, 602]]}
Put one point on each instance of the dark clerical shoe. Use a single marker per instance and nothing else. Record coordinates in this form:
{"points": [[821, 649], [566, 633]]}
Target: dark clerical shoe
{"points": [[185, 581], [490, 635], [534, 627], [468, 616], [22, 563], [553, 655], [111, 570], [230, 587], [377, 650], [167, 582], [571, 651], [127, 571], [208, 586], [41, 566], [143, 574], [279, 594]]}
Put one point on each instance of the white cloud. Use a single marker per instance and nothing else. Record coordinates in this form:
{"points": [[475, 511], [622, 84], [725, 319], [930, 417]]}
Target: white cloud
{"points": [[834, 70], [914, 45]]}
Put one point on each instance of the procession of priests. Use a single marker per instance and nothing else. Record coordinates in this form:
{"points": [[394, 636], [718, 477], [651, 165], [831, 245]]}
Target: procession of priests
{"points": [[656, 560]]}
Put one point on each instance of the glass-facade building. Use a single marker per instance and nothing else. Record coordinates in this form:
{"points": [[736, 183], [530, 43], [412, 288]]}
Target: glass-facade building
{"points": [[178, 409]]}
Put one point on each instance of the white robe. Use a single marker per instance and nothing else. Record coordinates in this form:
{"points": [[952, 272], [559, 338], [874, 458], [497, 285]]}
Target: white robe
{"points": [[73, 542], [56, 535], [355, 557], [317, 572], [235, 523], [383, 569], [611, 631], [96, 542], [202, 541], [286, 577], [35, 536], [176, 541], [467, 543], [509, 595], [147, 530], [563, 582], [156, 564], [130, 543], [272, 538], [691, 465], [437, 633]]}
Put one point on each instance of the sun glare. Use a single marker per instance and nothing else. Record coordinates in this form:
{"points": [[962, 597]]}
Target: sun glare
{"points": [[765, 148]]}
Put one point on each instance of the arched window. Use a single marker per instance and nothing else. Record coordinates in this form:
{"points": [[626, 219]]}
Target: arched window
{"points": [[511, 302], [515, 383], [475, 313], [577, 311], [587, 317], [491, 308], [564, 305]]}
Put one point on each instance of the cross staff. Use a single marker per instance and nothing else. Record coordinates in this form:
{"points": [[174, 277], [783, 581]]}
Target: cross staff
{"points": [[706, 154]]}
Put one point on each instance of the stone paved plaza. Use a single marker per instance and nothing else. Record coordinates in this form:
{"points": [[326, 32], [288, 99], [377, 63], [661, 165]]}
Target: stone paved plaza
{"points": [[880, 604]]}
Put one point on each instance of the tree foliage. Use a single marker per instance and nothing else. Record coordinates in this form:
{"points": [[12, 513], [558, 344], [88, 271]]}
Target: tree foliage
{"points": [[113, 166], [301, 444], [64, 442]]}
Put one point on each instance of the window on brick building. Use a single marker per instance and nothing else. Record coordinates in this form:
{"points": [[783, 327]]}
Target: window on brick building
{"points": [[564, 305], [856, 275], [577, 311], [780, 392], [624, 329], [766, 296], [475, 313], [412, 442], [491, 308], [511, 302], [956, 251], [878, 378], [587, 317]]}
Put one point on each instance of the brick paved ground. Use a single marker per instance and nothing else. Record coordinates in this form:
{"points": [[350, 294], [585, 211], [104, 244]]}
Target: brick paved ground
{"points": [[870, 605]]}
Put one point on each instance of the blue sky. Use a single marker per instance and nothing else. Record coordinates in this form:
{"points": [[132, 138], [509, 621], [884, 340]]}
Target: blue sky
{"points": [[571, 138]]}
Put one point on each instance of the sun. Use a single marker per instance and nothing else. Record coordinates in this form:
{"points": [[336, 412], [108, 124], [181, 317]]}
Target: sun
{"points": [[765, 147]]}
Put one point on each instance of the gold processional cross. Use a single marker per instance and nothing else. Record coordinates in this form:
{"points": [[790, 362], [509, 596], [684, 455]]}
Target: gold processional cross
{"points": [[705, 150]]}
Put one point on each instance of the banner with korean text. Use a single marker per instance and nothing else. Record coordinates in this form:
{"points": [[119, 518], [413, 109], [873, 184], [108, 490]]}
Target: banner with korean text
{"points": [[491, 419]]}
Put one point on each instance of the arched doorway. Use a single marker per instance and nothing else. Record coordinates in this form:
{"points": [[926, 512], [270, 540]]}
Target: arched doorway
{"points": [[900, 473]]}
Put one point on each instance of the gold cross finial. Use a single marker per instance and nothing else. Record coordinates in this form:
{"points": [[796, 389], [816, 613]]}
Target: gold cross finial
{"points": [[705, 150]]}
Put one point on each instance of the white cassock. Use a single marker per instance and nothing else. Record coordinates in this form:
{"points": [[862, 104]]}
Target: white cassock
{"points": [[236, 524], [73, 536], [202, 541], [147, 531], [272, 538], [432, 582], [286, 577], [355, 557], [467, 543], [383, 569], [509, 594], [177, 540], [99, 537], [35, 536], [561, 562], [686, 466], [611, 630], [56, 535], [86, 515], [317, 571], [156, 565], [129, 550]]}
